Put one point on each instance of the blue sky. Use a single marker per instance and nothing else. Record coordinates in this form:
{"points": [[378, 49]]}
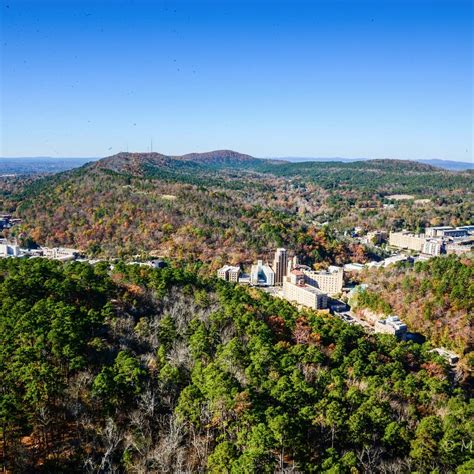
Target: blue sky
{"points": [[385, 78]]}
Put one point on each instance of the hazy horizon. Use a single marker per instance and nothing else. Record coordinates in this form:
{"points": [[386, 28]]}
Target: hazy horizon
{"points": [[286, 158]]}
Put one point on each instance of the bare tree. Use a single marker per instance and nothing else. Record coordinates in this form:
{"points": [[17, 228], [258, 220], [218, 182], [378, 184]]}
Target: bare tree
{"points": [[110, 438]]}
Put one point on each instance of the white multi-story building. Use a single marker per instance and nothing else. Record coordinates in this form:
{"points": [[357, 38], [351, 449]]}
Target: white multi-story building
{"points": [[296, 290], [262, 275], [433, 247], [229, 273], [407, 240], [437, 231], [376, 237], [391, 325], [329, 281], [59, 253], [436, 240], [9, 250], [447, 231], [222, 272]]}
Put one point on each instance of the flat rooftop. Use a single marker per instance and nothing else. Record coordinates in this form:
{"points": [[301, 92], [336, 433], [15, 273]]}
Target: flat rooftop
{"points": [[229, 267], [310, 289]]}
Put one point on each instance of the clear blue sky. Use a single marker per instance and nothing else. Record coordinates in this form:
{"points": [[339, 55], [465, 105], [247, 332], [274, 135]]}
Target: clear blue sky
{"points": [[384, 78]]}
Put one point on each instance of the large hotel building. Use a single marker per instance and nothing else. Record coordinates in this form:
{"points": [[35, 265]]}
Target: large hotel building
{"points": [[330, 281], [296, 290], [407, 240]]}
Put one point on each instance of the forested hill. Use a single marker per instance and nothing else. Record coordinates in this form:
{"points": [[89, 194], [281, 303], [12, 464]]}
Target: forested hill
{"points": [[145, 163], [389, 176], [141, 370], [114, 214], [383, 176], [223, 206]]}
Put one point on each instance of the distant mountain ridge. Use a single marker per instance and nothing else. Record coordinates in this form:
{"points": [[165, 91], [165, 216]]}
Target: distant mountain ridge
{"points": [[139, 163], [443, 164], [216, 158], [450, 165]]}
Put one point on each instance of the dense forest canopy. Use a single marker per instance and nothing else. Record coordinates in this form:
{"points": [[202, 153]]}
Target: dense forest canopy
{"points": [[134, 369], [435, 297], [390, 175], [226, 207]]}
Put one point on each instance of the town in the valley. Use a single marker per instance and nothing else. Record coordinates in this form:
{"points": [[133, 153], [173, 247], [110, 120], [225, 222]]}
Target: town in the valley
{"points": [[330, 290]]}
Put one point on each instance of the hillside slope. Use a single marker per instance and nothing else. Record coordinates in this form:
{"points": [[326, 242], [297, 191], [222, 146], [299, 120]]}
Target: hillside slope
{"points": [[143, 163], [385, 176], [218, 218], [435, 297], [225, 206], [148, 370]]}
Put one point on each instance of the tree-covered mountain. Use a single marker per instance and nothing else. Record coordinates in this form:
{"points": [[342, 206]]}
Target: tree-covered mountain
{"points": [[144, 163], [450, 165], [141, 370], [386, 176], [224, 206]]}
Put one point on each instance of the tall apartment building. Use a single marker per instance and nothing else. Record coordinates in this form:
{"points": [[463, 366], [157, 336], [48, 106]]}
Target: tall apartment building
{"points": [[229, 273], [291, 265], [280, 263], [329, 281], [262, 275], [296, 290], [407, 240]]}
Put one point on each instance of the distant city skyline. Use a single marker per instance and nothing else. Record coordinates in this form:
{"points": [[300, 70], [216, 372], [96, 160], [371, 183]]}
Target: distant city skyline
{"points": [[339, 78]]}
